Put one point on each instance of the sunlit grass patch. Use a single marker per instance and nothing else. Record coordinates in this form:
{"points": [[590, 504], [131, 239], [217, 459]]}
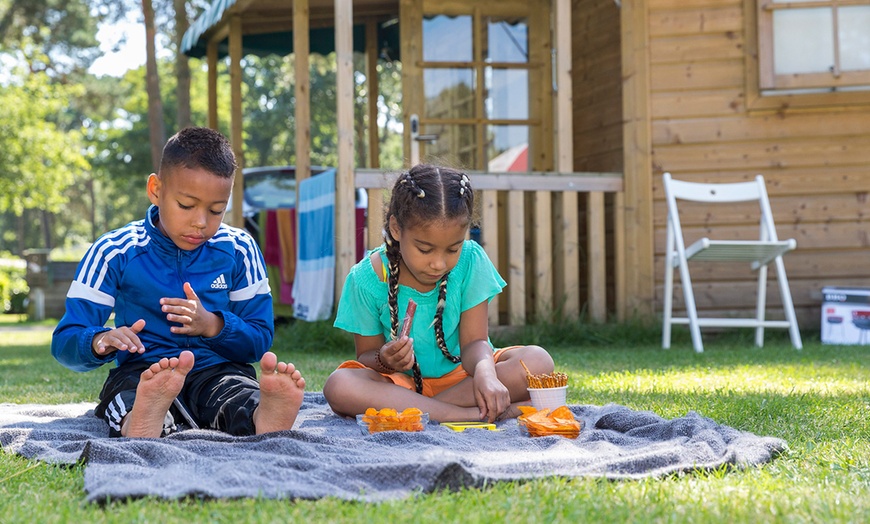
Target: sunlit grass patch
{"points": [[816, 399]]}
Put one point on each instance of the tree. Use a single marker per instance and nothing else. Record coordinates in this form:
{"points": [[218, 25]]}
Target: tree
{"points": [[55, 36], [182, 66], [156, 126], [40, 160], [269, 106], [48, 44]]}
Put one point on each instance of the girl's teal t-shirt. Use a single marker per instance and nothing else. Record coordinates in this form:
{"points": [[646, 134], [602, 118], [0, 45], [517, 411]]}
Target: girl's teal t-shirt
{"points": [[363, 308]]}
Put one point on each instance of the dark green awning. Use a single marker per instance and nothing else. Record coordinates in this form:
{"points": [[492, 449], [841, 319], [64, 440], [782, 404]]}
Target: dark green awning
{"points": [[321, 39]]}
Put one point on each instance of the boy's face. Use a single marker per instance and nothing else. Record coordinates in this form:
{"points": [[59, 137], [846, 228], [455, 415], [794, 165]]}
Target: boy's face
{"points": [[191, 202]]}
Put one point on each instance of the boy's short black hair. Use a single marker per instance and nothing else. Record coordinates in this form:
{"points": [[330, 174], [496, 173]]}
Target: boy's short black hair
{"points": [[199, 147]]}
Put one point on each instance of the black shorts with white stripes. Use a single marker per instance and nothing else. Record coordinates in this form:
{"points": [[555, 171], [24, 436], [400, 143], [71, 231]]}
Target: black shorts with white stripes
{"points": [[221, 397]]}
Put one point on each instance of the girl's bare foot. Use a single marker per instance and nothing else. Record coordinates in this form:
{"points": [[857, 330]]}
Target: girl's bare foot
{"points": [[281, 391], [158, 387]]}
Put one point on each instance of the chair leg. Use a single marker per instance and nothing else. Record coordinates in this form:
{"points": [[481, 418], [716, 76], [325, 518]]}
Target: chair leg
{"points": [[668, 312], [760, 304], [669, 305], [788, 305], [691, 310]]}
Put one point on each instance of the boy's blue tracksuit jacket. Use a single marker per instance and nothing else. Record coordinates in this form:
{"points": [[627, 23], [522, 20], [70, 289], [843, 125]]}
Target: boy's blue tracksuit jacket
{"points": [[130, 269]]}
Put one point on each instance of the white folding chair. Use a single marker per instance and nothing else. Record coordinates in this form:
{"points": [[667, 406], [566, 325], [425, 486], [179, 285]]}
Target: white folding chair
{"points": [[759, 253]]}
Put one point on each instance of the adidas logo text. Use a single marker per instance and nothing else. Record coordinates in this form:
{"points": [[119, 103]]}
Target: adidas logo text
{"points": [[219, 283]]}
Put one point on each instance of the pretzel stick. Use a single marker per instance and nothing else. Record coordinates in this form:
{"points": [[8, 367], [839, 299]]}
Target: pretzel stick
{"points": [[529, 377], [528, 373], [409, 318], [552, 380]]}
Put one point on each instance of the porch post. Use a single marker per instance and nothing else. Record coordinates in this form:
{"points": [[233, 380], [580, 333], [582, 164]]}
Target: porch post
{"points": [[564, 129], [236, 116], [302, 113], [345, 245], [637, 147], [211, 53], [376, 196]]}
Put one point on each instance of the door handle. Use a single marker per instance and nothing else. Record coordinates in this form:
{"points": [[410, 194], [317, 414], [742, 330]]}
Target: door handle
{"points": [[415, 131]]}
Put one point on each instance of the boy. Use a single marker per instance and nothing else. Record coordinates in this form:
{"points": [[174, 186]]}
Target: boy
{"points": [[192, 308]]}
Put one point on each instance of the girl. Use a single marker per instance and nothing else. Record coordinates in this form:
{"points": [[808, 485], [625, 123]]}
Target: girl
{"points": [[447, 365]]}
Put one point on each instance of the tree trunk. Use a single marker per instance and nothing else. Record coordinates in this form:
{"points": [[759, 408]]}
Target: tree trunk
{"points": [[182, 66], [157, 131]]}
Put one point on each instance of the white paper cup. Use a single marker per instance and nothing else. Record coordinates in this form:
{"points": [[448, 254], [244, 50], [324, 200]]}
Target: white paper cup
{"points": [[548, 398]]}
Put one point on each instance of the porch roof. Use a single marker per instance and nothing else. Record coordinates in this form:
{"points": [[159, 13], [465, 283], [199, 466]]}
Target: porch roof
{"points": [[267, 27]]}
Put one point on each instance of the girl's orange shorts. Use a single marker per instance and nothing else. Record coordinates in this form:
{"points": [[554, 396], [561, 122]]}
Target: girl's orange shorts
{"points": [[431, 386]]}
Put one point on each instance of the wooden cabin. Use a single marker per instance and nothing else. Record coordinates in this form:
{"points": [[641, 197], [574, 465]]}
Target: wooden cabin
{"points": [[604, 95]]}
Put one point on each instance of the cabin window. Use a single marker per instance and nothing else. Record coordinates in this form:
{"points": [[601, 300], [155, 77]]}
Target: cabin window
{"points": [[477, 77], [814, 45]]}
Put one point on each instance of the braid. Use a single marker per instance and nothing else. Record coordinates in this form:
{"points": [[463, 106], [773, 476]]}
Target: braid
{"points": [[465, 194], [423, 195], [439, 322], [415, 188], [393, 256], [393, 286], [418, 376]]}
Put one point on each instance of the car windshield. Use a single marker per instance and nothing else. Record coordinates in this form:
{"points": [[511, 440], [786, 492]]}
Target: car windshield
{"points": [[270, 189]]}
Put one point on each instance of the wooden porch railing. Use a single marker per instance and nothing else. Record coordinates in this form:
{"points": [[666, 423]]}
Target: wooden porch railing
{"points": [[532, 232]]}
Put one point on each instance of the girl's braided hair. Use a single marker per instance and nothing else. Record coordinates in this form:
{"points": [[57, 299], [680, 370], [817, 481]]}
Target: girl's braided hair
{"points": [[424, 195]]}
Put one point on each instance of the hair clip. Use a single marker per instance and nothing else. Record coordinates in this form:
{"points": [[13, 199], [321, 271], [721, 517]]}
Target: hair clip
{"points": [[407, 178]]}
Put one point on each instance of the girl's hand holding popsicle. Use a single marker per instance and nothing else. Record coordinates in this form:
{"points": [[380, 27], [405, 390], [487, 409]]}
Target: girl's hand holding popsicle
{"points": [[399, 354], [409, 318]]}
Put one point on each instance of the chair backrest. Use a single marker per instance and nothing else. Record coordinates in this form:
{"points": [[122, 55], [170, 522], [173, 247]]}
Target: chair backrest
{"points": [[711, 192], [720, 193]]}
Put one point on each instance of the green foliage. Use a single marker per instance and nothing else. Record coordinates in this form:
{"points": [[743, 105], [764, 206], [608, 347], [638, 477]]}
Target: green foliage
{"points": [[39, 159], [13, 285], [57, 36], [270, 105], [68, 253], [76, 148]]}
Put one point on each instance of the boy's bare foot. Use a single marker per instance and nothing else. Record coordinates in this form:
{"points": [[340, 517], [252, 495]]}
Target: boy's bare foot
{"points": [[281, 391], [158, 387]]}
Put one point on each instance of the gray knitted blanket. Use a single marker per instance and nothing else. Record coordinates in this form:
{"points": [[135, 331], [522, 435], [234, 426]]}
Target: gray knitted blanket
{"points": [[327, 455]]}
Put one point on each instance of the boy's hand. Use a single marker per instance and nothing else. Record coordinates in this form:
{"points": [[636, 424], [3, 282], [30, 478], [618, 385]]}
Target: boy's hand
{"points": [[195, 320], [119, 339], [398, 354]]}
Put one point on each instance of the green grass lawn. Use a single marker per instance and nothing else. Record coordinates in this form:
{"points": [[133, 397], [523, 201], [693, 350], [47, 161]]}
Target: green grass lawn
{"points": [[817, 399]]}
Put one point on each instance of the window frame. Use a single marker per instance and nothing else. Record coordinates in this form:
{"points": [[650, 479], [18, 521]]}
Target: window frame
{"points": [[819, 80], [762, 91]]}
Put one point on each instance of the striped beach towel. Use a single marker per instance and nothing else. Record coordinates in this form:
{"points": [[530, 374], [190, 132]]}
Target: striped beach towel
{"points": [[314, 284]]}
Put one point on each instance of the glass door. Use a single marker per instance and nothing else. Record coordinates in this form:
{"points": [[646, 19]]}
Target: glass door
{"points": [[477, 83]]}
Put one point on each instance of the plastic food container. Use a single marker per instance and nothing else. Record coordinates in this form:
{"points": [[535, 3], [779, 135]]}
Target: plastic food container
{"points": [[369, 425], [548, 398]]}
